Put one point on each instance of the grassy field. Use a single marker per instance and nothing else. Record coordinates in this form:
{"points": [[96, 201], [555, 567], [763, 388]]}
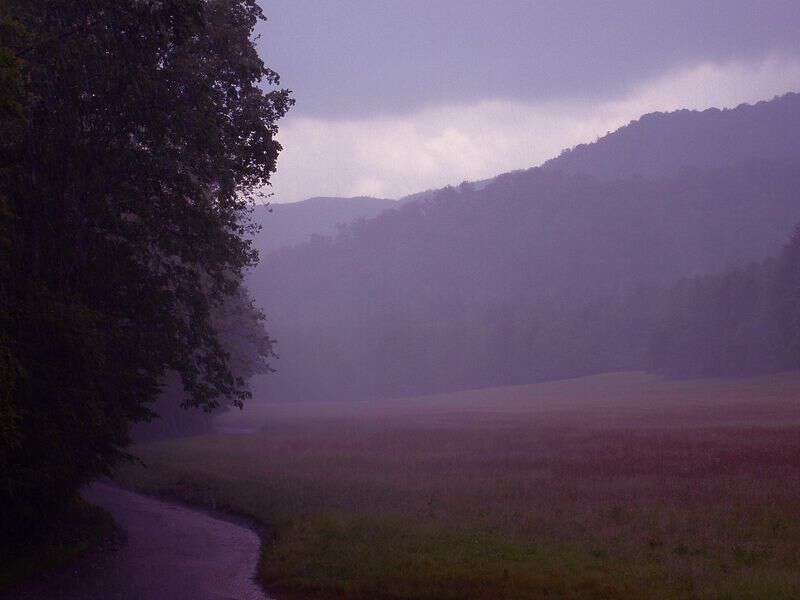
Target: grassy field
{"points": [[615, 486]]}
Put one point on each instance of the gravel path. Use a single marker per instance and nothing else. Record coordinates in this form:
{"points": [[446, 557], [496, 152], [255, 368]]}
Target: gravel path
{"points": [[171, 552]]}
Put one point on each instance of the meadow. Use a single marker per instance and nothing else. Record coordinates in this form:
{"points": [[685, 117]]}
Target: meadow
{"points": [[615, 486]]}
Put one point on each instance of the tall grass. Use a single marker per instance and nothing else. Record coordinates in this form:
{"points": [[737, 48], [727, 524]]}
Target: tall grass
{"points": [[619, 486]]}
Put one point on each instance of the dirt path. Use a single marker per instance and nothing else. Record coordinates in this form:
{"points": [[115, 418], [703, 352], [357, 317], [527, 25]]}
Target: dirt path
{"points": [[172, 552]]}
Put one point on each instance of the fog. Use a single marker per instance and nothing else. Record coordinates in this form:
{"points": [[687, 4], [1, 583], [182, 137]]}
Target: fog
{"points": [[399, 300], [661, 241]]}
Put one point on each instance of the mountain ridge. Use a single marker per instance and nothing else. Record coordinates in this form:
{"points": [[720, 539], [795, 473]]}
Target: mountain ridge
{"points": [[541, 273], [661, 143], [287, 224], [616, 155]]}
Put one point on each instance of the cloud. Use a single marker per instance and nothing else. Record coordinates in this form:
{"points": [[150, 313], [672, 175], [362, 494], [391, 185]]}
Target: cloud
{"points": [[395, 156]]}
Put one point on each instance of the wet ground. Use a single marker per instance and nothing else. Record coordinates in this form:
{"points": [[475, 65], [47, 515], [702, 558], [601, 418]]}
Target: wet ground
{"points": [[172, 552]]}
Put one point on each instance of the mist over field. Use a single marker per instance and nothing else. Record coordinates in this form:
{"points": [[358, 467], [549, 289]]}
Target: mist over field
{"points": [[416, 301]]}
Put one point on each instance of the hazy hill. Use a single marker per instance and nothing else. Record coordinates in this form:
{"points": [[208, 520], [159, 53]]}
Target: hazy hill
{"points": [[524, 280], [537, 233], [660, 144], [535, 274], [295, 222]]}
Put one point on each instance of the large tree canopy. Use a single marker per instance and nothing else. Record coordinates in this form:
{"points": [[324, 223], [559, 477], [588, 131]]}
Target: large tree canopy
{"points": [[139, 137]]}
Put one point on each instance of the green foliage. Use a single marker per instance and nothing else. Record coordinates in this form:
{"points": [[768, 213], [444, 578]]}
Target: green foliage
{"points": [[11, 121], [136, 137], [11, 67], [10, 435]]}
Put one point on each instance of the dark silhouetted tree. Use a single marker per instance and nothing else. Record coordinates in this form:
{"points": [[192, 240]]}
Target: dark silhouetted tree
{"points": [[147, 134]]}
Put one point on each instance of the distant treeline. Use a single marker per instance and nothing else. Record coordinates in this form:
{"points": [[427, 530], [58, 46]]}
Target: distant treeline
{"points": [[742, 321]]}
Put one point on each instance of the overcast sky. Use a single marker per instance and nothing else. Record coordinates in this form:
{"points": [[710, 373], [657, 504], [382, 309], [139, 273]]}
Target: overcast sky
{"points": [[395, 97]]}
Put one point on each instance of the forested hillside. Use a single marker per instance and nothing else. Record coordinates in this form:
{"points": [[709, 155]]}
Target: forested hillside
{"points": [[661, 144], [540, 274], [738, 322]]}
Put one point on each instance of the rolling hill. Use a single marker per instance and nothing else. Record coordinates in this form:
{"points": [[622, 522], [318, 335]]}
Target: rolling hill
{"points": [[537, 274], [662, 144]]}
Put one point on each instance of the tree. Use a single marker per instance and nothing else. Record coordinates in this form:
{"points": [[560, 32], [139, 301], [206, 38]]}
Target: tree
{"points": [[12, 120], [147, 137], [788, 300], [240, 326]]}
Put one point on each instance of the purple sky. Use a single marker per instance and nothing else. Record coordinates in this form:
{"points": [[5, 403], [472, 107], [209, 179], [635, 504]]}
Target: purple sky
{"points": [[380, 74]]}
